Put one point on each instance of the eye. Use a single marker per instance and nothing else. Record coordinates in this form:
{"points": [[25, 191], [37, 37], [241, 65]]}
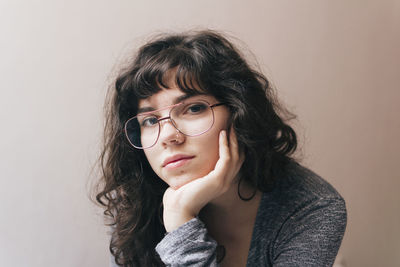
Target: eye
{"points": [[196, 108], [148, 121]]}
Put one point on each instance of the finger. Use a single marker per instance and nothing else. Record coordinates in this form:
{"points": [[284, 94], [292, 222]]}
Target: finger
{"points": [[233, 145], [237, 155], [224, 151], [224, 154]]}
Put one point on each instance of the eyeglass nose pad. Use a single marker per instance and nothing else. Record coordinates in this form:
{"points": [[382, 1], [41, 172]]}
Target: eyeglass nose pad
{"points": [[165, 120]]}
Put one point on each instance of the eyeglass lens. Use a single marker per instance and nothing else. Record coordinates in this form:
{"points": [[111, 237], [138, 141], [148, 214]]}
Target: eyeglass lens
{"points": [[191, 119]]}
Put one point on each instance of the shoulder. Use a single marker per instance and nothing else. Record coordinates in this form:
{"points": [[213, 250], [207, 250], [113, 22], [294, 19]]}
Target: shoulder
{"points": [[302, 214], [299, 194], [297, 188], [298, 184], [297, 191]]}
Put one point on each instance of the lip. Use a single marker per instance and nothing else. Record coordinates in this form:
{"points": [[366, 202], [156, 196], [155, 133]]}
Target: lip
{"points": [[176, 160]]}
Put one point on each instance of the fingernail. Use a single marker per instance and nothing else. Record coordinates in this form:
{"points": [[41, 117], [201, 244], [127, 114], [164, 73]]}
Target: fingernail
{"points": [[223, 133]]}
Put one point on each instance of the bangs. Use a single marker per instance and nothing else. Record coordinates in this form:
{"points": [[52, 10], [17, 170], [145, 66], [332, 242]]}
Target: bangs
{"points": [[166, 69]]}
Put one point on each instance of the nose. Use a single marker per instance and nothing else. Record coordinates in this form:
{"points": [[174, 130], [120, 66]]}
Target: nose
{"points": [[169, 135]]}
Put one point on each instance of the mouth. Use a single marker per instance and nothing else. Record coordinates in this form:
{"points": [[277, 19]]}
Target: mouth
{"points": [[176, 161]]}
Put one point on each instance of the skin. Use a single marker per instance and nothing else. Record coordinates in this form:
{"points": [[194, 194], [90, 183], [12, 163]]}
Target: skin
{"points": [[204, 178]]}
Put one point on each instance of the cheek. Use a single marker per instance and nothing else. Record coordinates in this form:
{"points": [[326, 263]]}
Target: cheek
{"points": [[208, 148], [208, 143]]}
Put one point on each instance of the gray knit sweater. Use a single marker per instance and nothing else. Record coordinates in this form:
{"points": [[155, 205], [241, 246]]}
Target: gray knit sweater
{"points": [[301, 222]]}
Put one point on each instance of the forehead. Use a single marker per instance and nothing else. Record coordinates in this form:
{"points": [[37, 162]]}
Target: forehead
{"points": [[163, 97], [167, 97]]}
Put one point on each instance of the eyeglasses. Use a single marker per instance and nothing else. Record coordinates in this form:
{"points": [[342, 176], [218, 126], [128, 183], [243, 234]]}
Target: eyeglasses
{"points": [[189, 118]]}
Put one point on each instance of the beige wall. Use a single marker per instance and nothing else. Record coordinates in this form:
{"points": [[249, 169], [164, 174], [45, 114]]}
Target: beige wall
{"points": [[336, 63]]}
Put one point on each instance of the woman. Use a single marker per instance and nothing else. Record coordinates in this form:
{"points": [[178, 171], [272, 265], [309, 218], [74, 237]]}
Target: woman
{"points": [[197, 166]]}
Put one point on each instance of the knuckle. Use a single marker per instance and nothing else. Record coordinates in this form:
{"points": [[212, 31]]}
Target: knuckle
{"points": [[227, 158]]}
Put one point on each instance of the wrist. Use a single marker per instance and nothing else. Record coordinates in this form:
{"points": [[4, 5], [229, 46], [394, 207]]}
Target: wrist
{"points": [[173, 220]]}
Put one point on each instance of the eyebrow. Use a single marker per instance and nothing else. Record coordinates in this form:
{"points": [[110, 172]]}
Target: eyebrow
{"points": [[176, 101]]}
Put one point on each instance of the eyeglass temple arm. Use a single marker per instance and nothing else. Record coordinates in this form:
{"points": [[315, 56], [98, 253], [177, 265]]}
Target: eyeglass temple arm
{"points": [[216, 105]]}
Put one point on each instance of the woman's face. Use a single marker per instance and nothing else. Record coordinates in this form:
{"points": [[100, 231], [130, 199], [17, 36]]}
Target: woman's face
{"points": [[178, 159]]}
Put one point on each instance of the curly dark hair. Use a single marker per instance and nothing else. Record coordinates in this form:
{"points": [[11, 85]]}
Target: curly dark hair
{"points": [[205, 61]]}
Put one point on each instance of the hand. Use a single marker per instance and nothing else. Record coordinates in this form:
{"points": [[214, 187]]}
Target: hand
{"points": [[185, 203]]}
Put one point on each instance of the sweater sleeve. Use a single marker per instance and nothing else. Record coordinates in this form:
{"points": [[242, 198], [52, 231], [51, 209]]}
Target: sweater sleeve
{"points": [[188, 245], [312, 235]]}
